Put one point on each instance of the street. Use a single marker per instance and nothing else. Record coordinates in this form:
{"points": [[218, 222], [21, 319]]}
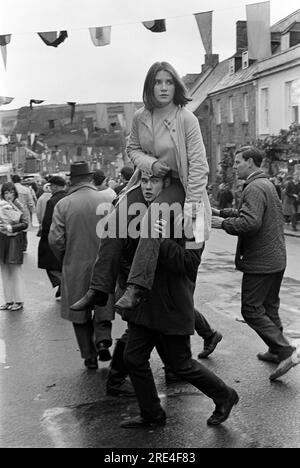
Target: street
{"points": [[48, 398]]}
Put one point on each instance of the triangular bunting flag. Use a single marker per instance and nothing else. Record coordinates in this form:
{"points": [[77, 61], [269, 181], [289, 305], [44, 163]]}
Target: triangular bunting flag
{"points": [[4, 54], [5, 100], [155, 25], [259, 30], [51, 39], [204, 22], [34, 101], [101, 36], [4, 40]]}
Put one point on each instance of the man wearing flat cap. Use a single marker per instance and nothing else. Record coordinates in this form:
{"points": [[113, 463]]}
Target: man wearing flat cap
{"points": [[46, 258], [74, 240]]}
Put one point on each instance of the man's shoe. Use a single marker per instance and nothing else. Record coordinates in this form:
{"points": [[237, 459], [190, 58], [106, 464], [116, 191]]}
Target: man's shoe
{"points": [[285, 365], [124, 388], [223, 410], [17, 306], [268, 357], [90, 299], [91, 363], [132, 298], [7, 306], [139, 423], [210, 345], [103, 351]]}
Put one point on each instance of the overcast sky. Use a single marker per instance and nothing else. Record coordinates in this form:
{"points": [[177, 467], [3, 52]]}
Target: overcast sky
{"points": [[78, 71]]}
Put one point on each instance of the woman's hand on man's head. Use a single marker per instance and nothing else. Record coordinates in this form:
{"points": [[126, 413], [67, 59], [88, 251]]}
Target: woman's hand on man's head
{"points": [[160, 169]]}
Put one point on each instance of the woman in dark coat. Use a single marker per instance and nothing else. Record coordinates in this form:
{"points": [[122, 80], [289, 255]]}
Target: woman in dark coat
{"points": [[46, 258], [11, 248]]}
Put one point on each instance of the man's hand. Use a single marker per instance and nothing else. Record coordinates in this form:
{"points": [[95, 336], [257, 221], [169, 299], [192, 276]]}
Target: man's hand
{"points": [[160, 227], [160, 169], [215, 212], [216, 222]]}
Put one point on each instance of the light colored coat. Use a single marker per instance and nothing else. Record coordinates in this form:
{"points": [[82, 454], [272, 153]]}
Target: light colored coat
{"points": [[190, 158], [25, 197], [74, 239]]}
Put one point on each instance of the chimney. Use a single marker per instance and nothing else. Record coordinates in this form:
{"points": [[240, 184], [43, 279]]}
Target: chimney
{"points": [[241, 36], [211, 61]]}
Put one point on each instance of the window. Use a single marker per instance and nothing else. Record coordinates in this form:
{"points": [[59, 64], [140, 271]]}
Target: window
{"points": [[292, 102], [285, 41], [246, 107], [51, 124], [232, 66], [231, 116], [219, 113], [265, 109], [245, 60]]}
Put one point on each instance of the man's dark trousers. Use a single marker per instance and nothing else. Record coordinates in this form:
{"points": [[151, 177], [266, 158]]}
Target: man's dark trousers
{"points": [[140, 344], [260, 306]]}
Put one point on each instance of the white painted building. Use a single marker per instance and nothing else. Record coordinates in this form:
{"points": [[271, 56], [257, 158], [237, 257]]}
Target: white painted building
{"points": [[278, 80]]}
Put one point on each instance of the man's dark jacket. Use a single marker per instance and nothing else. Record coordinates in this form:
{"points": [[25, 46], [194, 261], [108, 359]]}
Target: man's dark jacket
{"points": [[259, 224], [170, 307], [46, 258]]}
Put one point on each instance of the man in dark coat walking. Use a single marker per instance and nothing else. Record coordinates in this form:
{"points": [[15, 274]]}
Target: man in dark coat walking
{"points": [[261, 255], [74, 238], [46, 258]]}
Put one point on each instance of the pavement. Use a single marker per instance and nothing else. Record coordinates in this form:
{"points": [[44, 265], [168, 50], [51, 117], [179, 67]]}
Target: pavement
{"points": [[288, 231]]}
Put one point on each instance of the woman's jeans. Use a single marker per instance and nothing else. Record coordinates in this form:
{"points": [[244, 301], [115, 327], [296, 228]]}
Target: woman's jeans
{"points": [[12, 282], [122, 224]]}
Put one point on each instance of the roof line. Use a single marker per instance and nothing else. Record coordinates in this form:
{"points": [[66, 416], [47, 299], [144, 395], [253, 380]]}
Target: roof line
{"points": [[284, 19], [238, 85]]}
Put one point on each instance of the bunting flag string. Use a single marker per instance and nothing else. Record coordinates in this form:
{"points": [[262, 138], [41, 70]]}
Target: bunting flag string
{"points": [[52, 39]]}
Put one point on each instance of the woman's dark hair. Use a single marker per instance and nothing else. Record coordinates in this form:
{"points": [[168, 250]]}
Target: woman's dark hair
{"points": [[180, 98], [8, 187]]}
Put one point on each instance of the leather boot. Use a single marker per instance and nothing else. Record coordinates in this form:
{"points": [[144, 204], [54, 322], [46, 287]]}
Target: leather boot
{"points": [[223, 409], [132, 298], [210, 345], [90, 299]]}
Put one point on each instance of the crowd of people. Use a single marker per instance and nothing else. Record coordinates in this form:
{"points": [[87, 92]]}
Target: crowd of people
{"points": [[287, 187], [136, 249]]}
